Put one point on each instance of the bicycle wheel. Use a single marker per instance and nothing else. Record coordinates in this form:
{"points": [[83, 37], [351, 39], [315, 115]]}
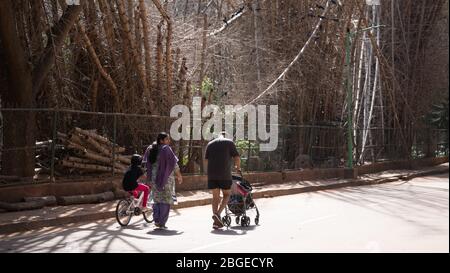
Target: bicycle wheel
{"points": [[123, 216], [148, 216]]}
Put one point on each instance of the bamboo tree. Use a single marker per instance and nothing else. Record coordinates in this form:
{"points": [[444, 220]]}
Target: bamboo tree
{"points": [[147, 48], [105, 75], [131, 41], [169, 72]]}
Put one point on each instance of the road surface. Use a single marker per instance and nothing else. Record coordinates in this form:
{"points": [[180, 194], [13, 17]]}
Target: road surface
{"points": [[410, 216]]}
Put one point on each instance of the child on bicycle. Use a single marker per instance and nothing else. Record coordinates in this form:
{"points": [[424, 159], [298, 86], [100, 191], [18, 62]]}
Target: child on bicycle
{"points": [[131, 178]]}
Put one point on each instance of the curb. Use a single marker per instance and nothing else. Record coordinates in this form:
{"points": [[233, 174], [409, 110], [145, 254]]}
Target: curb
{"points": [[27, 226]]}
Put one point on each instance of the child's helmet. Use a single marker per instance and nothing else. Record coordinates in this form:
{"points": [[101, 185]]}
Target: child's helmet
{"points": [[136, 160]]}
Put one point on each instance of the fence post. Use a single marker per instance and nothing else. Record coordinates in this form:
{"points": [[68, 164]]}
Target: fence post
{"points": [[114, 143], [348, 87], [248, 156], [52, 168], [166, 129], [446, 145], [282, 150], [430, 152]]}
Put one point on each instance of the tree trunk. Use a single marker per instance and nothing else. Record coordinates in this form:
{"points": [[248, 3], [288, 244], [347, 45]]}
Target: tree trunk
{"points": [[105, 75], [159, 61], [131, 41], [147, 47], [163, 12], [18, 156], [58, 33]]}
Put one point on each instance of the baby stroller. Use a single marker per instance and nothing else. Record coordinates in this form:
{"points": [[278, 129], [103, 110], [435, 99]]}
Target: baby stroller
{"points": [[240, 201]]}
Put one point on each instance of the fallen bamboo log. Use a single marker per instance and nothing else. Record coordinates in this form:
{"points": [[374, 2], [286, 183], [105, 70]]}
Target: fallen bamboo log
{"points": [[43, 144], [9, 178], [100, 138], [90, 152], [86, 199], [76, 146], [90, 167], [92, 156], [80, 139], [48, 200], [79, 160], [77, 139], [105, 150], [96, 157], [22, 205], [97, 145], [123, 159], [61, 135], [100, 158]]}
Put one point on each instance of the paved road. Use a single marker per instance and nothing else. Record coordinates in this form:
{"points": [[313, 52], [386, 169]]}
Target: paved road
{"points": [[396, 217]]}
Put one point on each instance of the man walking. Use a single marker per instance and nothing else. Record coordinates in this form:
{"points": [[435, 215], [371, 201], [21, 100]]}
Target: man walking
{"points": [[220, 154]]}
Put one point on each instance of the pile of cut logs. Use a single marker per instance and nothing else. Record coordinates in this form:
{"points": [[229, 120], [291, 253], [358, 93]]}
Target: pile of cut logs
{"points": [[86, 151]]}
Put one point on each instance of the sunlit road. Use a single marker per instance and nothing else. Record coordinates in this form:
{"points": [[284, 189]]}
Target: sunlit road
{"points": [[408, 216]]}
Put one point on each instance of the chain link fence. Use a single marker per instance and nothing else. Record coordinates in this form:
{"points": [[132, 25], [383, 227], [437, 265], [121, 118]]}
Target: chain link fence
{"points": [[299, 146]]}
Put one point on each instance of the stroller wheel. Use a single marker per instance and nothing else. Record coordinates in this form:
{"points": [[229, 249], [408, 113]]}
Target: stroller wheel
{"points": [[245, 221], [237, 220], [226, 220], [257, 221]]}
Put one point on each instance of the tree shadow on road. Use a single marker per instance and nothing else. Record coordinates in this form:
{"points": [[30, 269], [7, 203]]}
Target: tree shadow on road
{"points": [[405, 201], [90, 237], [133, 227]]}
